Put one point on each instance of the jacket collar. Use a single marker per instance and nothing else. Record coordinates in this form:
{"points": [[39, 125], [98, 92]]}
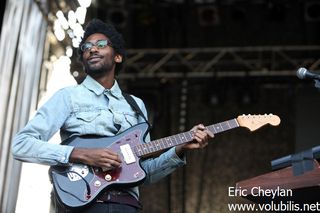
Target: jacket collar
{"points": [[98, 89]]}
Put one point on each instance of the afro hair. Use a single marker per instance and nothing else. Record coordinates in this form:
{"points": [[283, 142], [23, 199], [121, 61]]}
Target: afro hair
{"points": [[117, 41]]}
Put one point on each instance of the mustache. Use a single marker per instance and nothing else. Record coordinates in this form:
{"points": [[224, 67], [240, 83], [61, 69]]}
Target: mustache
{"points": [[94, 55]]}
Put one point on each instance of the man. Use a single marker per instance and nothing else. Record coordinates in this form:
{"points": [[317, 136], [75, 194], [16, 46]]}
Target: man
{"points": [[96, 107]]}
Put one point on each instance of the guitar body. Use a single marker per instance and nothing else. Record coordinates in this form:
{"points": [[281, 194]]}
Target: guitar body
{"points": [[78, 185]]}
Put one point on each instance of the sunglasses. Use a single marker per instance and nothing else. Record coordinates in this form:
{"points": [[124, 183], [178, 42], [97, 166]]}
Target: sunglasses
{"points": [[99, 44]]}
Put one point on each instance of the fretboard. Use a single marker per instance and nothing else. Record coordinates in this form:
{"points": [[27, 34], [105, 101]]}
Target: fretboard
{"points": [[151, 147]]}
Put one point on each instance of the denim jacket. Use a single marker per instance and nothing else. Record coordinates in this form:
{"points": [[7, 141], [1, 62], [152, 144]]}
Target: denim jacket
{"points": [[87, 108]]}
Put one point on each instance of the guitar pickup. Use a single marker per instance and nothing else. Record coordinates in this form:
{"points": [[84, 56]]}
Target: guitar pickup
{"points": [[127, 154]]}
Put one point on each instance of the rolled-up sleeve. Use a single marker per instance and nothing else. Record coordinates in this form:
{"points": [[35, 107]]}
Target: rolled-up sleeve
{"points": [[161, 166]]}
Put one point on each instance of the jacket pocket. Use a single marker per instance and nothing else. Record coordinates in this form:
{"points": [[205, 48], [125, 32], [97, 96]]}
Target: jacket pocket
{"points": [[87, 116]]}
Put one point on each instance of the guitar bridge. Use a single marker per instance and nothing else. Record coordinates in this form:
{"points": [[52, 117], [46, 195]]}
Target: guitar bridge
{"points": [[127, 154]]}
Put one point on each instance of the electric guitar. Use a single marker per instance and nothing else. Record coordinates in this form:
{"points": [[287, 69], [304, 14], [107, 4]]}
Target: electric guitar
{"points": [[78, 185]]}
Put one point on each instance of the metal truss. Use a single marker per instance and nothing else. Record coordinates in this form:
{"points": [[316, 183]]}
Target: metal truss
{"points": [[220, 62]]}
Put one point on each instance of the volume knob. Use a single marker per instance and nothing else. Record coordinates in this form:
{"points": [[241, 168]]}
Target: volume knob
{"points": [[108, 177]]}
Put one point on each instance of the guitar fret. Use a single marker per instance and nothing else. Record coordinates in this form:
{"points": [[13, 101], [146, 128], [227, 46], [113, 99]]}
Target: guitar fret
{"points": [[233, 123], [230, 124], [187, 136], [141, 149], [144, 149], [171, 142], [212, 129], [174, 141], [138, 147], [217, 128], [178, 139], [163, 144], [223, 126], [190, 133], [160, 144], [227, 125], [183, 137], [168, 142], [150, 147], [136, 150], [157, 145]]}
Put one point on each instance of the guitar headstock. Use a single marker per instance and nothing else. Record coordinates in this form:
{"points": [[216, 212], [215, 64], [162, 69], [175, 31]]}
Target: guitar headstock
{"points": [[254, 122]]}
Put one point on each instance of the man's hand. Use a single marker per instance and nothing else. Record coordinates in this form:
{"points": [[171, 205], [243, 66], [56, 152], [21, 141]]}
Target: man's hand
{"points": [[201, 138], [103, 158]]}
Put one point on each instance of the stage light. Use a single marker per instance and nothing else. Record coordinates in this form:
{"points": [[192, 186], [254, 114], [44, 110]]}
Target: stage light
{"points": [[312, 11], [78, 30], [208, 16], [58, 31], [76, 42], [214, 100], [246, 98], [62, 20], [72, 19], [69, 51], [81, 14], [85, 3]]}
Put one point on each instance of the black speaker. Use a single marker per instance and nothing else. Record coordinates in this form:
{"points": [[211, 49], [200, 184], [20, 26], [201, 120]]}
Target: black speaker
{"points": [[312, 11], [208, 15]]}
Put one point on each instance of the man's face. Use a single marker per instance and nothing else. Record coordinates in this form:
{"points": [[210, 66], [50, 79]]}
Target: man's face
{"points": [[100, 58]]}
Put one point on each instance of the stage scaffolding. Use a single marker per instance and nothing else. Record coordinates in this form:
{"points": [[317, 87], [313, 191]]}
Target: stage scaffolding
{"points": [[220, 62]]}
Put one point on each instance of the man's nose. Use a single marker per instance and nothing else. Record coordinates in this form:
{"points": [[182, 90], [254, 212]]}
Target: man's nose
{"points": [[94, 48]]}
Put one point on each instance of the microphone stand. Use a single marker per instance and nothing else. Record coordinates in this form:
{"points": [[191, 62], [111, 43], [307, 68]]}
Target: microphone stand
{"points": [[301, 161]]}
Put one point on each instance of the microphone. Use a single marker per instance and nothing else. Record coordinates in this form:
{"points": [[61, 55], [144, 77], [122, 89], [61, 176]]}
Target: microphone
{"points": [[303, 73]]}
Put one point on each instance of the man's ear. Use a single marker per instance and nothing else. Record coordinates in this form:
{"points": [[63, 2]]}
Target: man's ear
{"points": [[118, 58]]}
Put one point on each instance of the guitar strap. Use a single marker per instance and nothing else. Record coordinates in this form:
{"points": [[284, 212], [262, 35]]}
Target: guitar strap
{"points": [[135, 107]]}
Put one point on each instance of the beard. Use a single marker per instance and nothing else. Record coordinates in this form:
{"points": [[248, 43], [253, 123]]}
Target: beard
{"points": [[99, 68]]}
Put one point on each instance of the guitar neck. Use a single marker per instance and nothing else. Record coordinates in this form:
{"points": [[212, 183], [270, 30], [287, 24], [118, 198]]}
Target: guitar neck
{"points": [[146, 149]]}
